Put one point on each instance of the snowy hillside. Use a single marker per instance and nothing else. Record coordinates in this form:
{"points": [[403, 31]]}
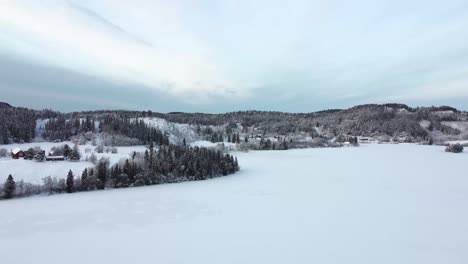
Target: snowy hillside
{"points": [[40, 129], [177, 132], [373, 204]]}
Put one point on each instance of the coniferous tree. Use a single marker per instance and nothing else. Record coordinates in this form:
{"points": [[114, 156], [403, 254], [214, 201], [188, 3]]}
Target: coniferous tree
{"points": [[70, 182], [30, 153], [93, 158], [84, 180], [9, 188], [67, 151], [75, 153], [126, 168], [40, 155], [101, 172], [236, 165]]}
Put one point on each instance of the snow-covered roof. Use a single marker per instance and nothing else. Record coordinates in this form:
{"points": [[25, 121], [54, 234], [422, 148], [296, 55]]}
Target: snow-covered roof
{"points": [[16, 151]]}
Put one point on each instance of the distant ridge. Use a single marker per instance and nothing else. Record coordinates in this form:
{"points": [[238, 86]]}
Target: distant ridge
{"points": [[5, 105], [379, 122]]}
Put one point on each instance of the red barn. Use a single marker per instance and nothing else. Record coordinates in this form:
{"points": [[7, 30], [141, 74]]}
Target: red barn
{"points": [[17, 153]]}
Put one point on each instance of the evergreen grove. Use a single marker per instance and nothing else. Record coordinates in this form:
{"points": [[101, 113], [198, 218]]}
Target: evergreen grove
{"points": [[157, 165]]}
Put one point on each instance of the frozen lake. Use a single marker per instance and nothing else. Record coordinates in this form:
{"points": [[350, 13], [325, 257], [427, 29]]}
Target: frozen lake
{"points": [[372, 204]]}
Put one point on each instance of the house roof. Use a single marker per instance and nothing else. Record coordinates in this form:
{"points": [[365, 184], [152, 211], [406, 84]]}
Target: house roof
{"points": [[16, 151]]}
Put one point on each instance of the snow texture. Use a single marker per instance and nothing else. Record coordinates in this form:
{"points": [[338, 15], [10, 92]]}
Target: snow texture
{"points": [[40, 129], [372, 204], [177, 132], [204, 143]]}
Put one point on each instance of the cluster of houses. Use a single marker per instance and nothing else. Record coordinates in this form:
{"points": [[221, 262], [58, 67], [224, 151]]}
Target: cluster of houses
{"points": [[17, 153]]}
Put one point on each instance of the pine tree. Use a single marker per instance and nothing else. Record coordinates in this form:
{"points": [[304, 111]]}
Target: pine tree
{"points": [[9, 188], [67, 151], [126, 168], [40, 155], [30, 154], [70, 182], [151, 157], [75, 153], [93, 158], [123, 181], [102, 167], [236, 164], [84, 180]]}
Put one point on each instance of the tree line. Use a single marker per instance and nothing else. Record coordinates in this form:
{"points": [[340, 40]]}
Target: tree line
{"points": [[392, 120], [17, 125], [157, 165]]}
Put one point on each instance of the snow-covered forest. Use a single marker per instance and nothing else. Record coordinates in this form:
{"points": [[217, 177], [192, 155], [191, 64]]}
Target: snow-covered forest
{"points": [[385, 123], [344, 199], [82, 151]]}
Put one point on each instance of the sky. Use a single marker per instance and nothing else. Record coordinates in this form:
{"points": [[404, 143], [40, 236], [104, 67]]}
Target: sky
{"points": [[229, 55]]}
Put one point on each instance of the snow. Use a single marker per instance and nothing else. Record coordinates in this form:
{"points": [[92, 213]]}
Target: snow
{"points": [[204, 143], [15, 151], [33, 171], [44, 145], [373, 204], [177, 132], [425, 124], [460, 125], [40, 129], [461, 142]]}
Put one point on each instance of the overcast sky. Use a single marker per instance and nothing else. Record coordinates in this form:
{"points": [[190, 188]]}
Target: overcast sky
{"points": [[226, 55]]}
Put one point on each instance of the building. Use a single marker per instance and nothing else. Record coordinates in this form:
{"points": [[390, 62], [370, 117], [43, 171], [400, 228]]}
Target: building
{"points": [[17, 153], [55, 158]]}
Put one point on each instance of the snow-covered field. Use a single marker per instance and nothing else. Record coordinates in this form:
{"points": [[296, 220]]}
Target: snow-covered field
{"points": [[33, 171], [372, 204]]}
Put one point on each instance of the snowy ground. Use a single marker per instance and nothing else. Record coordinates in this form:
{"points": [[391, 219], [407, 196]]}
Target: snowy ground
{"points": [[462, 142], [372, 204], [207, 144], [33, 171], [203, 143], [177, 132]]}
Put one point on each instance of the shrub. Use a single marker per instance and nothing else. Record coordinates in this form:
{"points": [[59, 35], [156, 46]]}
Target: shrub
{"points": [[99, 149], [93, 158], [3, 152], [454, 148]]}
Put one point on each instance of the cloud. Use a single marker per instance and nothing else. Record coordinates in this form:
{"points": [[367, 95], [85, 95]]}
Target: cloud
{"points": [[301, 55], [72, 36], [450, 89]]}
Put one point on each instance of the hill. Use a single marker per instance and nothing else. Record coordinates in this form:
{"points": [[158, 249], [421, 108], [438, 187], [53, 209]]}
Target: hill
{"points": [[384, 123], [5, 105]]}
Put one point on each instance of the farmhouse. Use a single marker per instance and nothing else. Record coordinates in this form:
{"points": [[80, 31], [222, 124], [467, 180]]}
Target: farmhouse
{"points": [[55, 158], [17, 153]]}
